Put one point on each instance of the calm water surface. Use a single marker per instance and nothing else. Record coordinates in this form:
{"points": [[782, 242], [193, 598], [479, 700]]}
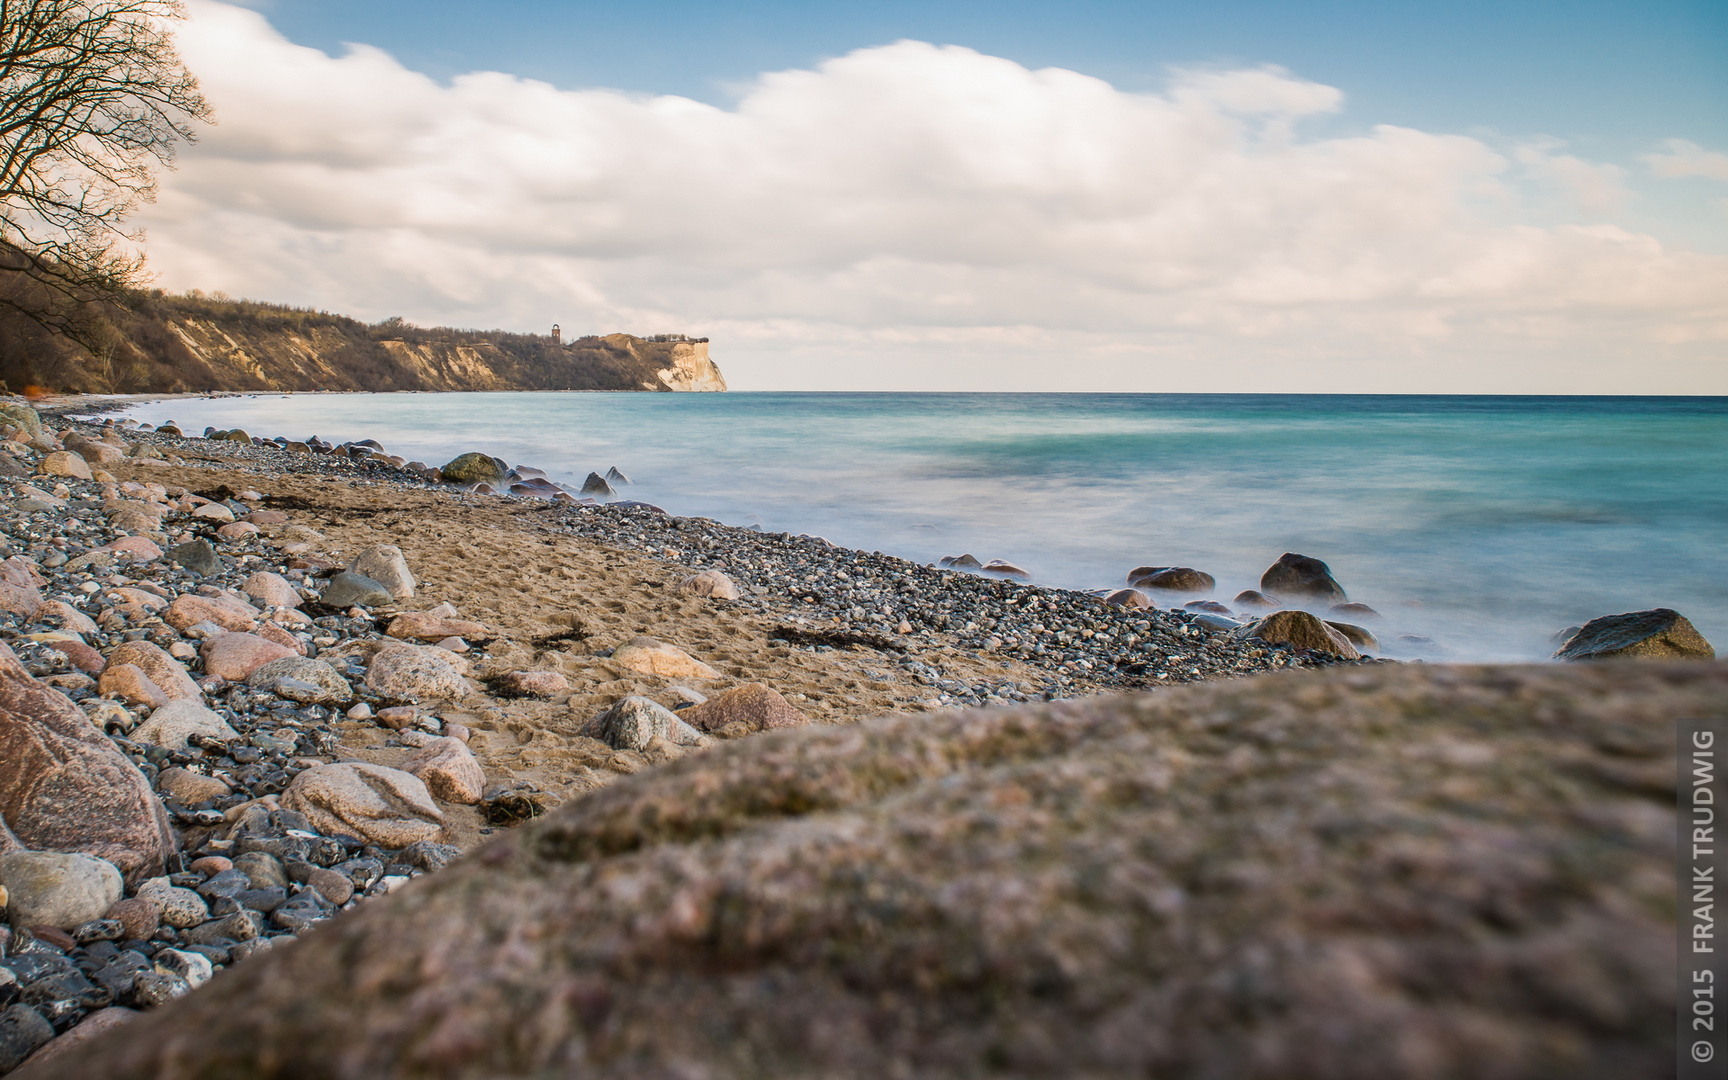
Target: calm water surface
{"points": [[1483, 523]]}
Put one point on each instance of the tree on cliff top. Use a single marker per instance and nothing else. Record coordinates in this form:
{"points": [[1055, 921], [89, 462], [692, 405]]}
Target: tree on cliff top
{"points": [[93, 97]]}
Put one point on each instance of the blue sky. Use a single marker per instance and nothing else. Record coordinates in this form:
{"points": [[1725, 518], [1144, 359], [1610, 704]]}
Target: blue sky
{"points": [[1420, 197], [1610, 77]]}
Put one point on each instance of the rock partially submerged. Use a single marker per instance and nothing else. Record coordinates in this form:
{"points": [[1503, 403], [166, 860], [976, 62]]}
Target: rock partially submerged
{"points": [[1301, 577], [1658, 634], [1367, 872]]}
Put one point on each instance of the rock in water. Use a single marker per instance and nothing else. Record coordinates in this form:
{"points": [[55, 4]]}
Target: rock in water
{"points": [[597, 485], [616, 477], [1301, 577], [1177, 579], [1319, 874], [473, 469], [1658, 634], [64, 786], [1300, 630]]}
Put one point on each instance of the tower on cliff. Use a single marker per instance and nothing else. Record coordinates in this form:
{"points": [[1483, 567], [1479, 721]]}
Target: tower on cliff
{"points": [[557, 335]]}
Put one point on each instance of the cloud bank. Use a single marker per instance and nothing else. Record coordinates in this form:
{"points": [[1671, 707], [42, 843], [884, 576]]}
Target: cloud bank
{"points": [[914, 216]]}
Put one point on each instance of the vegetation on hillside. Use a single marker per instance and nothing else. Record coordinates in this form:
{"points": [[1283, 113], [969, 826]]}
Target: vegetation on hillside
{"points": [[157, 342]]}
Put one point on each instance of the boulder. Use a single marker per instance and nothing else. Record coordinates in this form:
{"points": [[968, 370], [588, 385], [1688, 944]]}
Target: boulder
{"points": [[20, 588], [414, 673], [473, 469], [348, 589], [710, 583], [1209, 607], [1353, 611], [1300, 630], [1355, 873], [960, 562], [160, 668], [22, 1031], [1657, 634], [1184, 579], [236, 656], [55, 889], [1358, 636], [65, 787], [271, 590], [64, 463], [633, 722], [22, 416], [1128, 598], [129, 683], [236, 530], [744, 710], [198, 556], [1299, 577], [533, 683], [141, 548], [449, 770], [651, 657], [297, 678], [178, 721], [224, 611], [213, 511], [597, 487], [385, 565], [190, 788], [179, 908], [1008, 569], [88, 1028], [388, 807], [429, 626], [613, 476], [67, 616]]}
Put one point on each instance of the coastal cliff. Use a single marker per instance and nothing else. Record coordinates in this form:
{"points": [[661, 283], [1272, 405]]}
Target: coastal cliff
{"points": [[172, 344]]}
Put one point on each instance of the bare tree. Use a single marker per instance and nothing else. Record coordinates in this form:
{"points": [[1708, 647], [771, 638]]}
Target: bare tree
{"points": [[93, 98]]}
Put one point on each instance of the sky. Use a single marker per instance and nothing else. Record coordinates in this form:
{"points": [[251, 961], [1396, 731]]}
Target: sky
{"points": [[1233, 196]]}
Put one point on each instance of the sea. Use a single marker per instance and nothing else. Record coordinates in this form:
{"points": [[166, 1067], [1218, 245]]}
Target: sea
{"points": [[1477, 527]]}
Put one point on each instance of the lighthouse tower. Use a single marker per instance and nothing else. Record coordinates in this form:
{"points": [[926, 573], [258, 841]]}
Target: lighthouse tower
{"points": [[557, 335]]}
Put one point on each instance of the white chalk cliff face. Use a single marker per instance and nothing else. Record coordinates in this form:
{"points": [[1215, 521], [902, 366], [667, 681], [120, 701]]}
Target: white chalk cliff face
{"points": [[691, 369]]}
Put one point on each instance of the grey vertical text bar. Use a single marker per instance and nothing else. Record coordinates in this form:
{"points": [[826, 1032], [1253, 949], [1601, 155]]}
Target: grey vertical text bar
{"points": [[1701, 960]]}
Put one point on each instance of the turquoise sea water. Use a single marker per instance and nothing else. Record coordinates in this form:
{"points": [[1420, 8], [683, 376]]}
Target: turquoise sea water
{"points": [[1483, 523]]}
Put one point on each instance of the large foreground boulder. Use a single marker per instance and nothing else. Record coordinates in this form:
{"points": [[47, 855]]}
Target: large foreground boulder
{"points": [[1389, 871], [64, 786]]}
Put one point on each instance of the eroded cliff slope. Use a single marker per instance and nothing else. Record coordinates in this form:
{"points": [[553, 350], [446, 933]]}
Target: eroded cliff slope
{"points": [[166, 343]]}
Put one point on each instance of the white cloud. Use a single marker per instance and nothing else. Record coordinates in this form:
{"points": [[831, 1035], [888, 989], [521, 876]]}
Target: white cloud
{"points": [[914, 216], [1595, 187], [1688, 159]]}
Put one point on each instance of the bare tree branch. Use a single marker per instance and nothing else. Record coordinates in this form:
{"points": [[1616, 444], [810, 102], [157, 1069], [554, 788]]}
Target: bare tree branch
{"points": [[93, 99]]}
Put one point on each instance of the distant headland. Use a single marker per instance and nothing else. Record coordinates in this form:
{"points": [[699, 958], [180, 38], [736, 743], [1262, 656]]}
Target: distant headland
{"points": [[177, 343]]}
